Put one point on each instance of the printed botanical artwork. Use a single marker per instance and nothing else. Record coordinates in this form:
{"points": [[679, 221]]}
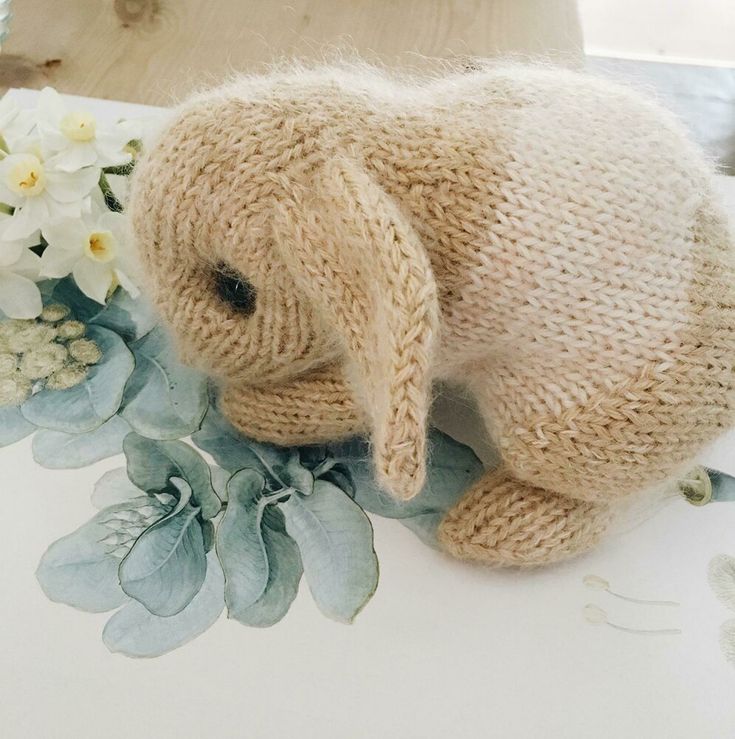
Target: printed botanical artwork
{"points": [[198, 518]]}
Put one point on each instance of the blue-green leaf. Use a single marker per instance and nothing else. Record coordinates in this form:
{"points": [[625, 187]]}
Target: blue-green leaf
{"points": [[335, 539], [88, 405], [114, 487], [151, 464], [81, 570], [166, 566], [129, 317], [452, 468], [425, 526], [240, 545], [233, 451], [163, 398], [284, 574], [82, 308], [13, 426], [220, 478], [57, 450], [135, 632]]}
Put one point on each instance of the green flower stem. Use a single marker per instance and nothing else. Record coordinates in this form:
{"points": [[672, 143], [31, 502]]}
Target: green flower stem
{"points": [[4, 208], [111, 200], [120, 169]]}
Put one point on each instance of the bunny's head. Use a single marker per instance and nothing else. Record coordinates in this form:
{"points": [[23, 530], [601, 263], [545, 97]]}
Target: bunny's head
{"points": [[271, 252]]}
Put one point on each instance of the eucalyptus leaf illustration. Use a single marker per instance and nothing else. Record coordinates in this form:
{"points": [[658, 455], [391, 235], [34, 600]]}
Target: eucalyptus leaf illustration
{"points": [[135, 632], [452, 468], [13, 426], [152, 464], [82, 308], [232, 451], [129, 317], [163, 398], [114, 487], [335, 539], [88, 405], [58, 450], [166, 565], [425, 526], [220, 478], [284, 574], [240, 545], [80, 569]]}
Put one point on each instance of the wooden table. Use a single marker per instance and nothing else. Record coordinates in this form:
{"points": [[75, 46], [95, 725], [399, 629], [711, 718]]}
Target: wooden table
{"points": [[154, 51]]}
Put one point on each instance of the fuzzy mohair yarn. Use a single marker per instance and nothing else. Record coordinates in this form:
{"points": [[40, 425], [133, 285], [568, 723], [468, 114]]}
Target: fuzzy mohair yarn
{"points": [[548, 239]]}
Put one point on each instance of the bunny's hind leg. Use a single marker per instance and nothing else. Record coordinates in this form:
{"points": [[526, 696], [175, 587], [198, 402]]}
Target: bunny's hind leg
{"points": [[505, 522]]}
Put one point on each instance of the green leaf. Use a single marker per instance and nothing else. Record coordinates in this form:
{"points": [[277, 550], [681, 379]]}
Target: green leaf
{"points": [[220, 478], [284, 574], [114, 487], [163, 398], [233, 451], [13, 426], [151, 464], [135, 632], [452, 469], [294, 475], [88, 405], [129, 317], [166, 566], [240, 545], [335, 539], [80, 570], [425, 526], [57, 450], [82, 308]]}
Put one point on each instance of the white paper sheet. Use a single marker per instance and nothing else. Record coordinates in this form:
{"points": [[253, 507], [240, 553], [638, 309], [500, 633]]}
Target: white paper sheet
{"points": [[443, 650]]}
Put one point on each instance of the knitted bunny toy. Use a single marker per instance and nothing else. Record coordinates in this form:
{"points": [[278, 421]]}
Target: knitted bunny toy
{"points": [[330, 242]]}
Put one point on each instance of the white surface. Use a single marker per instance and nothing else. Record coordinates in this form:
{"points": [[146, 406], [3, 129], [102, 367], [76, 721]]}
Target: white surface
{"points": [[443, 649], [701, 31]]}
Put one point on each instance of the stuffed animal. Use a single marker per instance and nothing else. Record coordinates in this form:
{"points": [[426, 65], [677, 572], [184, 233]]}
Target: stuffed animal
{"points": [[330, 242]]}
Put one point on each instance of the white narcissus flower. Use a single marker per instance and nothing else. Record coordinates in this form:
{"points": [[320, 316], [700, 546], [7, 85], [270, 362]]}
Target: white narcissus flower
{"points": [[15, 123], [40, 192], [19, 294], [92, 248], [73, 139]]}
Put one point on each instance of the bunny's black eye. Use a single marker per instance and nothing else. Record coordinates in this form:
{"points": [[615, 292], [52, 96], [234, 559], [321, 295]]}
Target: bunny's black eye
{"points": [[232, 288]]}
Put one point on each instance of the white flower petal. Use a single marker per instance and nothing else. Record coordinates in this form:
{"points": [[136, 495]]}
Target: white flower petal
{"points": [[68, 187], [10, 252], [28, 265], [50, 107], [126, 283], [51, 139], [19, 296], [28, 218], [57, 262], [93, 279], [69, 234], [76, 155]]}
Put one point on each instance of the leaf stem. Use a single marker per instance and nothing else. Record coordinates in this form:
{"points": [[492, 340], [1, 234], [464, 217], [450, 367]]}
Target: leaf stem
{"points": [[111, 200]]}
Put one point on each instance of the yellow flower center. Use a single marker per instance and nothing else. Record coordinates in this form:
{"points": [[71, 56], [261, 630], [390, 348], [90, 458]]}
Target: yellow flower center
{"points": [[101, 246], [79, 126], [27, 177]]}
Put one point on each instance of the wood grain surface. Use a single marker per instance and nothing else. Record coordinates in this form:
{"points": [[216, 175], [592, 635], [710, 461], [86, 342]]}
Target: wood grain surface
{"points": [[154, 51]]}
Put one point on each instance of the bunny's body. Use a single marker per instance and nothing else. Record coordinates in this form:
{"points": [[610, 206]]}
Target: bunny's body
{"points": [[549, 239]]}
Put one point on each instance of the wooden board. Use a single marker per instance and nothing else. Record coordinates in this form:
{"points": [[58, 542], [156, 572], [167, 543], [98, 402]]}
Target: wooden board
{"points": [[154, 51]]}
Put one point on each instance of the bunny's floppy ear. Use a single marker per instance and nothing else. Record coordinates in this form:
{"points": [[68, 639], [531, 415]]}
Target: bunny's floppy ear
{"points": [[354, 255]]}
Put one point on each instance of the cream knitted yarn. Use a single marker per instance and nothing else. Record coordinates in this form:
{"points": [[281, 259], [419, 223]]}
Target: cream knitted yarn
{"points": [[550, 239]]}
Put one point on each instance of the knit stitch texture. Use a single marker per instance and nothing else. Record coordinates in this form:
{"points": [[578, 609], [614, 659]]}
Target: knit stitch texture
{"points": [[549, 239]]}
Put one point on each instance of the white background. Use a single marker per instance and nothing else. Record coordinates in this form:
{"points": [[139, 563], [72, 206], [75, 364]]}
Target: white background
{"points": [[443, 650]]}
